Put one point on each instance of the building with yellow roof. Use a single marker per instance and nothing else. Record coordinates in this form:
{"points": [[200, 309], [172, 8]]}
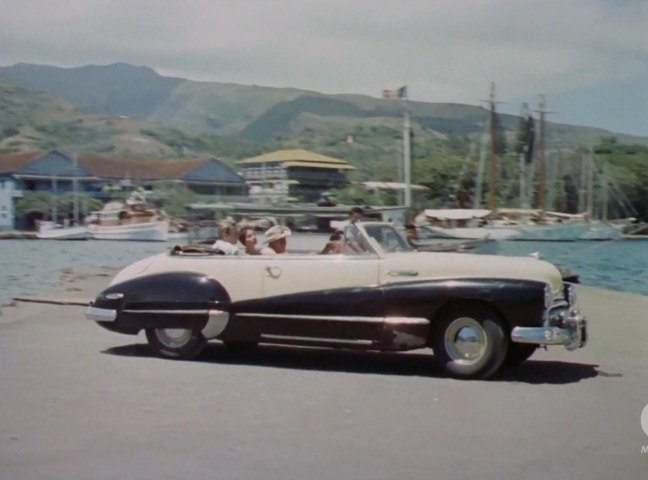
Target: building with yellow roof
{"points": [[298, 174]]}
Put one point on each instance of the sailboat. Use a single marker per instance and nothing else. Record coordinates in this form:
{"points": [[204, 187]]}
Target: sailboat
{"points": [[556, 226], [474, 223]]}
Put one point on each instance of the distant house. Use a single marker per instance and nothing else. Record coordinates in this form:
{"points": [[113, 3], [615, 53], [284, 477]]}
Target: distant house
{"points": [[98, 176], [287, 175], [204, 176], [52, 171]]}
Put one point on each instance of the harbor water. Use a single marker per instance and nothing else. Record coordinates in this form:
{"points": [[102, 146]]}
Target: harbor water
{"points": [[31, 267]]}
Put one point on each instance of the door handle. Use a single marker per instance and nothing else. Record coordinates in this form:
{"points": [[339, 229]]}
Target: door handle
{"points": [[273, 272], [402, 273]]}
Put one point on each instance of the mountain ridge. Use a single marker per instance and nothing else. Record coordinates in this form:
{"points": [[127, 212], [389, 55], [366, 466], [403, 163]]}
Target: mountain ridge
{"points": [[250, 112]]}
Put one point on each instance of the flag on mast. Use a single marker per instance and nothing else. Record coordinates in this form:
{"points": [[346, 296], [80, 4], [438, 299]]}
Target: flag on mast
{"points": [[398, 93]]}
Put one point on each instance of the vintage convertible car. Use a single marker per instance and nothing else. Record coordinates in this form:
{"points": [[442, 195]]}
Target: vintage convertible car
{"points": [[476, 312]]}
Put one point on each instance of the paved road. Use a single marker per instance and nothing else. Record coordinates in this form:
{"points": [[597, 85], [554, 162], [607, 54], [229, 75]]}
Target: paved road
{"points": [[81, 402]]}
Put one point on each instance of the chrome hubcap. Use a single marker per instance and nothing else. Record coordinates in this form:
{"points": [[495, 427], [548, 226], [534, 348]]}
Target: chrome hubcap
{"points": [[173, 337], [465, 340]]}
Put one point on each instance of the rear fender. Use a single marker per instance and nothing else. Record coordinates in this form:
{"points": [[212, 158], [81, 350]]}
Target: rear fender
{"points": [[163, 300]]}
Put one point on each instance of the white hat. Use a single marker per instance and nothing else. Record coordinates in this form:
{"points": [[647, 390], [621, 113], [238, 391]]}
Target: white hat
{"points": [[276, 233]]}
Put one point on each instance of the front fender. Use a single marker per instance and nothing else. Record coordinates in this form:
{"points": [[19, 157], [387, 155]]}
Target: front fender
{"points": [[160, 300], [520, 302]]}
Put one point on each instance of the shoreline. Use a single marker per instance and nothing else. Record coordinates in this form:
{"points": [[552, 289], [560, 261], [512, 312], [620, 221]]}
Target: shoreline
{"points": [[18, 235]]}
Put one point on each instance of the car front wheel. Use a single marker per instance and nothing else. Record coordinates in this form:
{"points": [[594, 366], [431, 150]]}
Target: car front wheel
{"points": [[469, 342], [181, 343]]}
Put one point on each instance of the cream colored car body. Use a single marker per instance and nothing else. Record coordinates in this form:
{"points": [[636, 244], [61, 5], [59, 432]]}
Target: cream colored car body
{"points": [[257, 276]]}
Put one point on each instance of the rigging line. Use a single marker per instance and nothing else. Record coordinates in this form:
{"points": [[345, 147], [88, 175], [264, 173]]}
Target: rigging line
{"points": [[624, 198]]}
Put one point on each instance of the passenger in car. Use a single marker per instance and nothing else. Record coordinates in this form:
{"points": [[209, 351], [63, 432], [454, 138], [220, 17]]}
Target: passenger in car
{"points": [[276, 240], [248, 239], [334, 244], [227, 237], [411, 234]]}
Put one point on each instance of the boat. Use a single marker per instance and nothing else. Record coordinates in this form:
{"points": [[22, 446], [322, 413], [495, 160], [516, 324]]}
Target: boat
{"points": [[130, 220], [435, 244], [48, 230], [535, 225], [466, 224]]}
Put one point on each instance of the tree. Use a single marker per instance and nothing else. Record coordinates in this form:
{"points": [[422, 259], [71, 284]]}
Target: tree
{"points": [[31, 203]]}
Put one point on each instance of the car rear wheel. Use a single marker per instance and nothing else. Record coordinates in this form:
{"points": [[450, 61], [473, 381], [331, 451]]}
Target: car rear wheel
{"points": [[469, 342], [182, 343]]}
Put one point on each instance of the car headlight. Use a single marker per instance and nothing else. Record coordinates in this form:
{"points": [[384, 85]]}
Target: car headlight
{"points": [[570, 295], [548, 296]]}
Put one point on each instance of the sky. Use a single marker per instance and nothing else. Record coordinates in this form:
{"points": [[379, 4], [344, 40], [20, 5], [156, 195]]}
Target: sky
{"points": [[588, 57]]}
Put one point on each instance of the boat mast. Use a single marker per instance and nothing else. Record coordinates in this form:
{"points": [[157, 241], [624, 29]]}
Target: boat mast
{"points": [[492, 164], [589, 199], [542, 172], [480, 167], [54, 198], [522, 158], [75, 192]]}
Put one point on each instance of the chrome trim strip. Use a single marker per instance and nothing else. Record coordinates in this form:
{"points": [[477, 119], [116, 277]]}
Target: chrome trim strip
{"points": [[101, 314], [339, 318], [406, 320], [317, 339], [402, 273], [165, 312], [314, 317]]}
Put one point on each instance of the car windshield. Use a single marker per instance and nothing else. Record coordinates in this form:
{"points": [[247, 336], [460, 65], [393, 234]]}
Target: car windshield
{"points": [[388, 238]]}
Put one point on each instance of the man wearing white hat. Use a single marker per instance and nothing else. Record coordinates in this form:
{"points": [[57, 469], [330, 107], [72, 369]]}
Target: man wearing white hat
{"points": [[276, 240]]}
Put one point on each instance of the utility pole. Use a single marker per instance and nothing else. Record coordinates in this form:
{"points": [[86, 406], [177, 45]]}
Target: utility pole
{"points": [[407, 128]]}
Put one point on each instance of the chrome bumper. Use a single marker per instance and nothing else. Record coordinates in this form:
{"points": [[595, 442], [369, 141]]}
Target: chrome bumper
{"points": [[101, 314], [569, 328], [216, 320]]}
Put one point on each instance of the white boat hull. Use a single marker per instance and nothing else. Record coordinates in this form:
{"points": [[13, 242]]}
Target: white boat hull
{"points": [[51, 231], [148, 232], [475, 233], [570, 232]]}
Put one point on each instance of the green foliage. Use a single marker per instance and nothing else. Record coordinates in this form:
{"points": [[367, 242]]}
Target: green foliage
{"points": [[8, 132], [55, 134], [44, 203], [223, 147], [354, 194], [174, 197], [627, 166], [34, 203]]}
